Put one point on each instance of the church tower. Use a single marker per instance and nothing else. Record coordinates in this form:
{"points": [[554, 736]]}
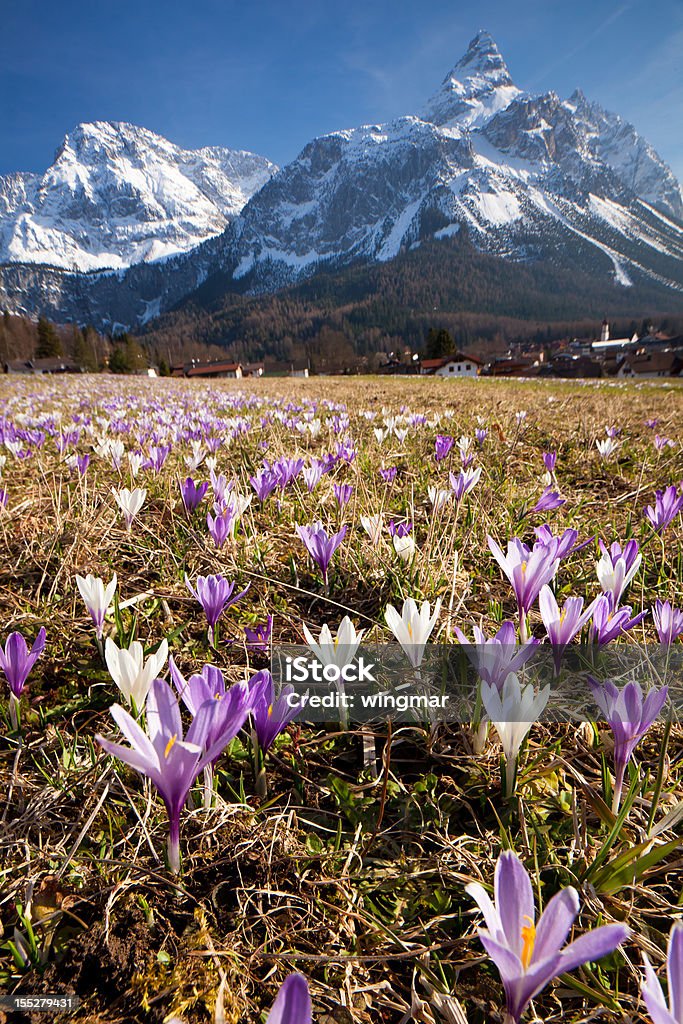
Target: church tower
{"points": [[604, 333]]}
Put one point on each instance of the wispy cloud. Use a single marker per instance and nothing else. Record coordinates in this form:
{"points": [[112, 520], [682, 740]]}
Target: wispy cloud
{"points": [[585, 41]]}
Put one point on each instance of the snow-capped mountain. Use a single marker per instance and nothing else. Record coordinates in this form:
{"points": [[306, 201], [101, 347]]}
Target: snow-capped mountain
{"points": [[478, 86], [117, 194], [528, 178]]}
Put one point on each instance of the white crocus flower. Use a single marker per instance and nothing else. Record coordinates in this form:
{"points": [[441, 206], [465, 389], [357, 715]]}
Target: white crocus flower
{"points": [[400, 434], [195, 460], [614, 577], [129, 670], [606, 447], [211, 462], [404, 547], [115, 453], [439, 497], [3, 460], [379, 434], [464, 444], [135, 460], [373, 527], [412, 628], [130, 502], [96, 597], [339, 650], [239, 503], [513, 711]]}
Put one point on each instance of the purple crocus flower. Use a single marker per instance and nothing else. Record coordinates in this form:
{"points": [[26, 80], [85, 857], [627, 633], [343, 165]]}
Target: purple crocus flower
{"points": [[264, 483], [170, 761], [464, 482], [566, 541], [661, 443], [617, 567], [3, 497], [609, 621], [668, 622], [342, 493], [192, 494], [480, 435], [549, 460], [157, 457], [79, 463], [388, 475], [270, 715], [527, 569], [221, 487], [209, 684], [498, 656], [562, 626], [215, 595], [399, 529], [16, 661], [286, 470], [651, 424], [668, 503], [321, 546], [293, 1002], [652, 990], [258, 638], [220, 525], [629, 716], [530, 955], [442, 446], [312, 475], [549, 501]]}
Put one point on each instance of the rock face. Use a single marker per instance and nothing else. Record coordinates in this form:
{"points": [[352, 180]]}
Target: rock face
{"points": [[528, 178], [117, 195]]}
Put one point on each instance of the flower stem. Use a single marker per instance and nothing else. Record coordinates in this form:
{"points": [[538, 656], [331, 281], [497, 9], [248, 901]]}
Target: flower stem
{"points": [[260, 777], [174, 844], [14, 711], [510, 777], [208, 787], [618, 786]]}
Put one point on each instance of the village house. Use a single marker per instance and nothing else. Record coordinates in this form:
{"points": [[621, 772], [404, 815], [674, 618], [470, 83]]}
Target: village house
{"points": [[647, 365], [217, 368], [453, 366], [52, 365], [253, 370]]}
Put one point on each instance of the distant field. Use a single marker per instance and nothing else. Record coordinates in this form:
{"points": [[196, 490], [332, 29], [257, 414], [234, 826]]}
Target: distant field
{"points": [[340, 853]]}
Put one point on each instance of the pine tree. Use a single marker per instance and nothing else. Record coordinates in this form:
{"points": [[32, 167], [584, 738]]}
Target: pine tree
{"points": [[439, 343], [118, 362], [49, 343]]}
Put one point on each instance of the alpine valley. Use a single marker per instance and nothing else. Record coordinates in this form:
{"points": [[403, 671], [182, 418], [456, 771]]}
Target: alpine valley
{"points": [[549, 195]]}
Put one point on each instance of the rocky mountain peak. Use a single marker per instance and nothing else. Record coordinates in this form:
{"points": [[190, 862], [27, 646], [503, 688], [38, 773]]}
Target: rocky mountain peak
{"points": [[477, 87]]}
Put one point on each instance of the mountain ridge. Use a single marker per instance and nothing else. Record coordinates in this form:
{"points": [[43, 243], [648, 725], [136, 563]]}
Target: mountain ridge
{"points": [[527, 176]]}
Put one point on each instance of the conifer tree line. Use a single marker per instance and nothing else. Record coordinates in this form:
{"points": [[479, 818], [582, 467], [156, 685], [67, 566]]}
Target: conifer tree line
{"points": [[352, 316], [22, 339]]}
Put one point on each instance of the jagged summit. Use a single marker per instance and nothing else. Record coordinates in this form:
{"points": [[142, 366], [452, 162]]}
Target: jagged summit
{"points": [[482, 57], [478, 87]]}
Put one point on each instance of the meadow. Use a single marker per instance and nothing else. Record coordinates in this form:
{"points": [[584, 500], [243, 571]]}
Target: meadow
{"points": [[174, 843]]}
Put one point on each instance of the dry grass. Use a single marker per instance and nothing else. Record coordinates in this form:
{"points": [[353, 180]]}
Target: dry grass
{"points": [[356, 881]]}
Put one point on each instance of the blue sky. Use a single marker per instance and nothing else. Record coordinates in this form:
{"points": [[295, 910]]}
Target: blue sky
{"points": [[271, 75]]}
